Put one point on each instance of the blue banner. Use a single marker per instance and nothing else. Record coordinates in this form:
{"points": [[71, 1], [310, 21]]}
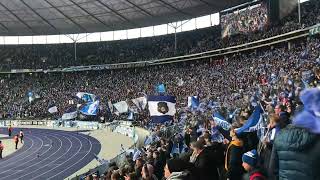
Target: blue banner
{"points": [[90, 109], [220, 121], [254, 121]]}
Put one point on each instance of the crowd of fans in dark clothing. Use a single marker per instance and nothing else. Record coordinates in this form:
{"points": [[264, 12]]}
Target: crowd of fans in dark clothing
{"points": [[289, 149], [283, 80], [206, 79], [62, 55], [275, 76], [244, 21], [286, 83]]}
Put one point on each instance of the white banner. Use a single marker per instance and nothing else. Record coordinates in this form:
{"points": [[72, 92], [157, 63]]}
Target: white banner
{"points": [[122, 106]]}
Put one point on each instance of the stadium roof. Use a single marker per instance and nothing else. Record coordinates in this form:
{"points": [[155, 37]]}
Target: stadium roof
{"points": [[45, 17]]}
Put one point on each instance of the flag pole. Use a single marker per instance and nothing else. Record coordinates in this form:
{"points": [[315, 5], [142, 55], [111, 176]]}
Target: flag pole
{"points": [[299, 11]]}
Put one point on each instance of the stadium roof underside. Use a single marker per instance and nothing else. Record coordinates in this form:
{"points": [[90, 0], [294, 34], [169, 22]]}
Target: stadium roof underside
{"points": [[47, 17]]}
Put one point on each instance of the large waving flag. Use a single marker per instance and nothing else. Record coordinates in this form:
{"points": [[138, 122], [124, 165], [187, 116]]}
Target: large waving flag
{"points": [[254, 122], [70, 113], [121, 107], [220, 121], [162, 108], [90, 109], [140, 102], [87, 97]]}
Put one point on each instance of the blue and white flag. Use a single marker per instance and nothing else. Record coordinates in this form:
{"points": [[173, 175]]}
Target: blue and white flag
{"points": [[87, 97], [180, 82], [32, 96], [130, 115], [151, 139], [220, 121], [121, 107], [90, 109], [136, 155], [193, 102], [254, 122], [140, 102], [175, 149], [232, 115], [216, 136], [161, 88], [70, 113], [162, 108], [109, 107], [52, 108]]}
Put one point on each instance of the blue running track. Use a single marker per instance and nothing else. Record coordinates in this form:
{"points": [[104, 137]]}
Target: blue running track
{"points": [[48, 154]]}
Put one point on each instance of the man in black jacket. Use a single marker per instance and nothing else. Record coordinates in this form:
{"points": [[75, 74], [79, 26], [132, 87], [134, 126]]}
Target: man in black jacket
{"points": [[205, 166]]}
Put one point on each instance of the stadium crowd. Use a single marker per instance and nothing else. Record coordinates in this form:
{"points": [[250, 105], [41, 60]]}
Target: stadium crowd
{"points": [[62, 55], [274, 78], [205, 79]]}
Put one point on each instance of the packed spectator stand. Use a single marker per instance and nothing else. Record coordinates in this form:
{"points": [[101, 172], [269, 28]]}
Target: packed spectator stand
{"points": [[276, 76], [62, 55]]}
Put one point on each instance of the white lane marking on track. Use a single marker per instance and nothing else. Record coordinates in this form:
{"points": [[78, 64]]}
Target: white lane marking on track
{"points": [[22, 159], [35, 158], [45, 158], [75, 162], [62, 156], [6, 159]]}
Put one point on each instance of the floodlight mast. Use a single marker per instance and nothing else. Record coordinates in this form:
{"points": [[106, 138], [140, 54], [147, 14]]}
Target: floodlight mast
{"points": [[175, 27], [75, 41], [75, 51]]}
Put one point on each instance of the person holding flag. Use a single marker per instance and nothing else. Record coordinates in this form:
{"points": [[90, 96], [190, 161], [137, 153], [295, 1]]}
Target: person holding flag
{"points": [[235, 149], [249, 130]]}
